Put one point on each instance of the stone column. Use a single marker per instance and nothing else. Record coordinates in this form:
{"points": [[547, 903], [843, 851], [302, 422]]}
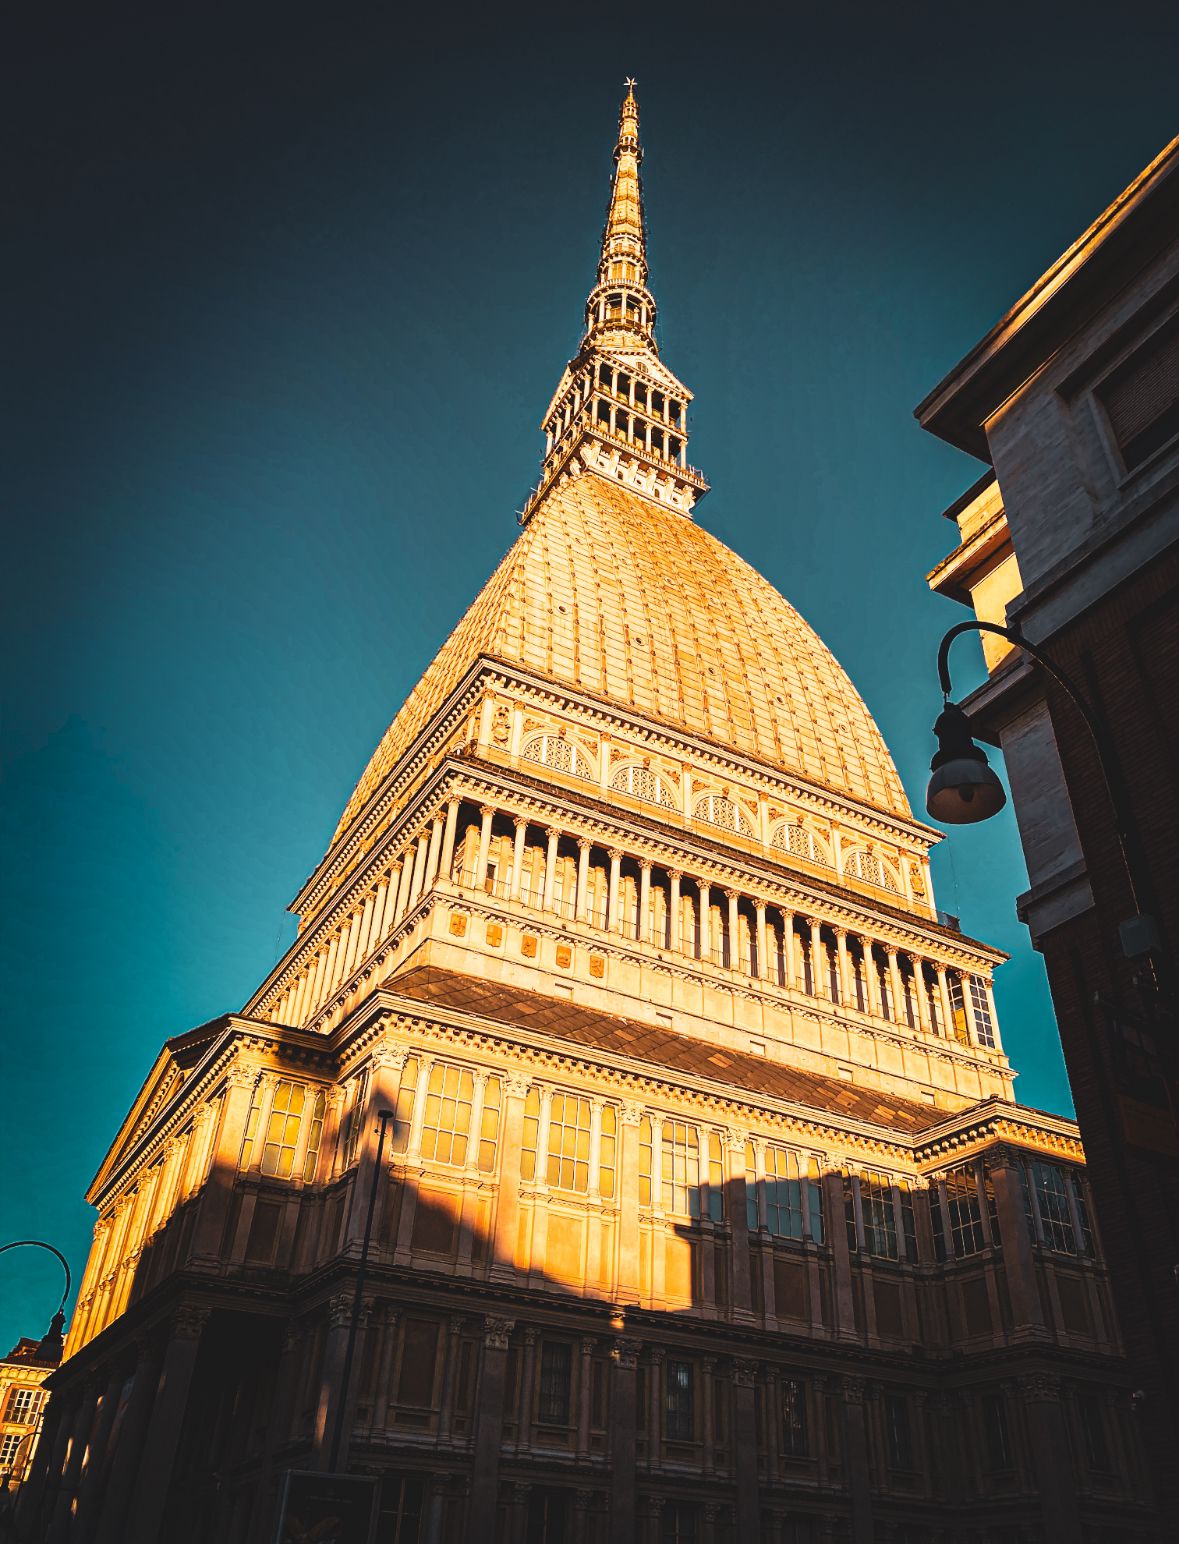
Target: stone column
{"points": [[846, 995], [990, 990], [894, 984], [818, 973], [446, 860], [434, 851], [676, 921], [859, 1481], [488, 1424], [518, 857], [122, 1465], [207, 1239], [760, 937], [405, 882], [163, 1433], [644, 930], [484, 846], [419, 869], [705, 920], [1052, 1466], [623, 1441], [506, 1227], [1027, 1313], [943, 994], [550, 867], [745, 1449], [586, 1346], [734, 938], [627, 1166], [583, 857], [790, 950], [742, 1291], [922, 994], [615, 890]]}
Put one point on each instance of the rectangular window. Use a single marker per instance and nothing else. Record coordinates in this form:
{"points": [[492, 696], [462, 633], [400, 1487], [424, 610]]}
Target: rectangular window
{"points": [[896, 1426], [681, 1169], [22, 1407], [419, 1356], [752, 1210], [716, 1178], [9, 1443], [680, 1422], [350, 1134], [568, 1146], [880, 1226], [1093, 1428], [794, 1435], [678, 1523], [962, 1201], [282, 1129], [908, 1224], [314, 1136], [645, 1161], [530, 1136], [447, 1121], [403, 1107], [1051, 1199], [814, 1187], [548, 1517], [608, 1151], [1141, 398], [556, 1362], [489, 1125], [994, 1414], [783, 1193], [402, 1497], [984, 1025], [958, 1010], [247, 1153]]}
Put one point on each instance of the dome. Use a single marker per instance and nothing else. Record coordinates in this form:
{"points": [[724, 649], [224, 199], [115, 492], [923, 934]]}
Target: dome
{"points": [[607, 593]]}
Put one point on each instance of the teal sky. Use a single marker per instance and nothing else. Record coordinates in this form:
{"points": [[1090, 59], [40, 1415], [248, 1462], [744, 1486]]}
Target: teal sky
{"points": [[289, 299]]}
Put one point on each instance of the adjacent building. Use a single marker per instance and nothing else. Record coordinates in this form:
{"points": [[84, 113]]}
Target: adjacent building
{"points": [[22, 1400], [622, 1024], [1072, 536]]}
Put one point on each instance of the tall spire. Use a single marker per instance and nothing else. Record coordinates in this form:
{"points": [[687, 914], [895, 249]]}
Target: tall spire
{"points": [[630, 319], [619, 411]]}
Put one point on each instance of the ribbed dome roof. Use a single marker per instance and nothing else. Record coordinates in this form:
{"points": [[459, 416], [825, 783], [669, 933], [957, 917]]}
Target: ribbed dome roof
{"points": [[606, 592]]}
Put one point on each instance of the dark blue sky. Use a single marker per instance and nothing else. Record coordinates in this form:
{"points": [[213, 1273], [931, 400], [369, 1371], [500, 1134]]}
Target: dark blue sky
{"points": [[290, 296]]}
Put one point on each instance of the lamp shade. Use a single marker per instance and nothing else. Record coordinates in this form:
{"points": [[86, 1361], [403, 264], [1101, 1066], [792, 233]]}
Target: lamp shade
{"points": [[962, 790]]}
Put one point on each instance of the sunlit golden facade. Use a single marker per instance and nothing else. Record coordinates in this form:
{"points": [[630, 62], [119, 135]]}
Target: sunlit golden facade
{"points": [[705, 1211]]}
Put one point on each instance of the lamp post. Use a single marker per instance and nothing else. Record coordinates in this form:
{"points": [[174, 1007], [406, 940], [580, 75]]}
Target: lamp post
{"points": [[963, 790], [52, 1343]]}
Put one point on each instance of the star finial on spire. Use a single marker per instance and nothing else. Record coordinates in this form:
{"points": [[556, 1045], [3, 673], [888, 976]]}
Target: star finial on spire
{"points": [[630, 83]]}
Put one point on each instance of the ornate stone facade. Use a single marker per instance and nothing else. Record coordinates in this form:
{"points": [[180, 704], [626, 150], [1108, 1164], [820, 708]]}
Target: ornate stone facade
{"points": [[703, 1210]]}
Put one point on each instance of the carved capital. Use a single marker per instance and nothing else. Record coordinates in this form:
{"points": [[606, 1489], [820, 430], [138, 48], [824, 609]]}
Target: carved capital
{"points": [[854, 1390], [497, 1332], [1037, 1386], [625, 1352], [588, 1344], [340, 1310], [632, 1113], [241, 1076], [517, 1084], [744, 1372], [189, 1321]]}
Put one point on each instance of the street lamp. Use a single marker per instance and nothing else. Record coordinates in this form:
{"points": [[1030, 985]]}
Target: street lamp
{"points": [[963, 790], [52, 1343]]}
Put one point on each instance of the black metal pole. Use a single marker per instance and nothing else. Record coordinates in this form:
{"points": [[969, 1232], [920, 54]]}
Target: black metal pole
{"points": [[383, 1118]]}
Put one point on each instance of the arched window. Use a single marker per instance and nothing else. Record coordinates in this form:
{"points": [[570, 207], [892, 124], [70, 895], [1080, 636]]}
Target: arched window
{"points": [[642, 783], [871, 869], [719, 810], [800, 843], [558, 754]]}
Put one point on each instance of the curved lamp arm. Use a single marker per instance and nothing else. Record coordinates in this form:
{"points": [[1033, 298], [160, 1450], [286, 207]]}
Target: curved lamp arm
{"points": [[36, 1243], [1097, 731]]}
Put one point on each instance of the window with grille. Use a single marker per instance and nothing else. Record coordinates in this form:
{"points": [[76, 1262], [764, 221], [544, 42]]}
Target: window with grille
{"points": [[680, 1169], [22, 1406], [869, 867], [1093, 1427], [680, 1414], [719, 810], [403, 1105], [558, 754], [314, 1136], [350, 1132], [641, 783], [876, 1211], [800, 843], [794, 1434], [783, 1193], [608, 1151], [965, 1211], [569, 1141], [716, 1177], [1141, 398], [556, 1365], [402, 1499], [282, 1129], [958, 1011], [897, 1431], [1050, 1195], [446, 1123], [998, 1438], [984, 1025]]}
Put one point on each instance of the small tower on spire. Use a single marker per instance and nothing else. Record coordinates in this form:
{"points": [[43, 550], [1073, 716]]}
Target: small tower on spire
{"points": [[618, 410]]}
